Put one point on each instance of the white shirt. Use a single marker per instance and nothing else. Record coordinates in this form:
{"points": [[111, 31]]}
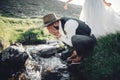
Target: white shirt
{"points": [[70, 29]]}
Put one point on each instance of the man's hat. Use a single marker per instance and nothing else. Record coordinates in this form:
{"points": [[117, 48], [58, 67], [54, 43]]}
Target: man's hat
{"points": [[49, 19]]}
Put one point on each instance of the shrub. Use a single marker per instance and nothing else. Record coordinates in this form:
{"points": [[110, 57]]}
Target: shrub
{"points": [[33, 36], [104, 63]]}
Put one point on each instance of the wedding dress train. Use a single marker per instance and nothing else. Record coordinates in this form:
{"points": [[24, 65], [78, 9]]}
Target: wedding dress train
{"points": [[101, 20]]}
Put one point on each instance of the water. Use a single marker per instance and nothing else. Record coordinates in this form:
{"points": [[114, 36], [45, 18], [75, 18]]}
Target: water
{"points": [[33, 69], [38, 68]]}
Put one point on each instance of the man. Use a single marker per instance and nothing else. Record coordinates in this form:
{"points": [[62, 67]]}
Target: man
{"points": [[74, 33]]}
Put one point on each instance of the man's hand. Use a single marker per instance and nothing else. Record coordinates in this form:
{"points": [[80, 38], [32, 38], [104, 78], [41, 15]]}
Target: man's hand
{"points": [[54, 31]]}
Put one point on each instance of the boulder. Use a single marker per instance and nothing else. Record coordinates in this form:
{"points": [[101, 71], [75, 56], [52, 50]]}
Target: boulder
{"points": [[12, 60]]}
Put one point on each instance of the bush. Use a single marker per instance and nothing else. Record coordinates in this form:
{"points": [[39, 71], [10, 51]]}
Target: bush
{"points": [[33, 36], [104, 63]]}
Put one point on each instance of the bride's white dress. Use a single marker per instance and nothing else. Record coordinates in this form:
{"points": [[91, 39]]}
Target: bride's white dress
{"points": [[101, 20]]}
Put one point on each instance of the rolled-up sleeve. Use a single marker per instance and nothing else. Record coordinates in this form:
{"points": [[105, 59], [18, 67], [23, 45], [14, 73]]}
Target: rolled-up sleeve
{"points": [[70, 29]]}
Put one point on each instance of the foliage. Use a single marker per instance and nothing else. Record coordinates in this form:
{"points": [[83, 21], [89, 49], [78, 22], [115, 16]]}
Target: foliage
{"points": [[33, 36], [104, 63]]}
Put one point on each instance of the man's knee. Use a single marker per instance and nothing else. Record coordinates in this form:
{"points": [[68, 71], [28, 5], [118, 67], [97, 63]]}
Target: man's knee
{"points": [[83, 44], [80, 39]]}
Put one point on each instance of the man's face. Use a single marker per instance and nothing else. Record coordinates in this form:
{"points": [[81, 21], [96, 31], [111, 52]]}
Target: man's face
{"points": [[53, 28]]}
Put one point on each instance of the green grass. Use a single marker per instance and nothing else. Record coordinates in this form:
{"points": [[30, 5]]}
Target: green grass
{"points": [[12, 28], [17, 23]]}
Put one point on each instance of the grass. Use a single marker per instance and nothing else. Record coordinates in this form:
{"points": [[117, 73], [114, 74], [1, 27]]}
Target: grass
{"points": [[12, 28], [17, 23]]}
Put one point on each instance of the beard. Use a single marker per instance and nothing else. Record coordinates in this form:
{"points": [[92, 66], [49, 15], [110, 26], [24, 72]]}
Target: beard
{"points": [[56, 27]]}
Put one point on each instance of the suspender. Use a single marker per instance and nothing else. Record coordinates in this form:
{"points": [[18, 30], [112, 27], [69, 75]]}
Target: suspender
{"points": [[63, 21]]}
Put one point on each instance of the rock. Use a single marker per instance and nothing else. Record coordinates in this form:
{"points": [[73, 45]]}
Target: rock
{"points": [[12, 60], [52, 75], [46, 53]]}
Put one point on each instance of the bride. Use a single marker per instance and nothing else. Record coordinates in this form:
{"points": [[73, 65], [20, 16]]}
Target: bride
{"points": [[99, 16]]}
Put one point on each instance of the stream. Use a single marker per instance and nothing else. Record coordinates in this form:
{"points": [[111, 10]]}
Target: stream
{"points": [[33, 62], [45, 67]]}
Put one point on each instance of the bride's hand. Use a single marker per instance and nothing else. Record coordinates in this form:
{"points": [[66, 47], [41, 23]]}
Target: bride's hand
{"points": [[65, 7], [108, 4]]}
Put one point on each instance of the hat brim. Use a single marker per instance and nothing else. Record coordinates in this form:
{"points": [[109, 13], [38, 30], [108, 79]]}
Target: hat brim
{"points": [[45, 25]]}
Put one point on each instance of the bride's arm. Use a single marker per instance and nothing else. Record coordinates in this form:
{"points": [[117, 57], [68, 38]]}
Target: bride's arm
{"points": [[106, 3], [65, 5]]}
